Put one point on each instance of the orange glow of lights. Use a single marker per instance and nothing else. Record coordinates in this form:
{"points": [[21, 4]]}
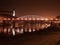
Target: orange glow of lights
{"points": [[29, 29], [51, 18], [46, 19], [33, 18], [22, 19], [5, 18], [21, 31], [8, 18], [33, 29], [17, 18], [18, 31], [12, 18], [5, 30], [42, 19], [9, 30], [29, 18], [26, 19], [37, 18], [1, 18], [56, 19]]}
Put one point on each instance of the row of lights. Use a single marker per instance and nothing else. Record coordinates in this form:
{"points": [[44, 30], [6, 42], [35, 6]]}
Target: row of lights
{"points": [[21, 31], [18, 31], [28, 19]]}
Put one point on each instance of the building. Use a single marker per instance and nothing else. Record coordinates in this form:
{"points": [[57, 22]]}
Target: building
{"points": [[6, 16]]}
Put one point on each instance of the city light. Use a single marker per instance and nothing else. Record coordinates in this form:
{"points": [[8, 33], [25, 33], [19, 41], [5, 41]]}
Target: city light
{"points": [[29, 19], [22, 24], [26, 19], [56, 19], [51, 18], [38, 19], [18, 18], [5, 18], [22, 18], [9, 19], [46, 19], [13, 19], [33, 18], [42, 19]]}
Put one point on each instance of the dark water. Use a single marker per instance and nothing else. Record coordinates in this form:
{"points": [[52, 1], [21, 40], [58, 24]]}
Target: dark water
{"points": [[35, 38], [46, 36]]}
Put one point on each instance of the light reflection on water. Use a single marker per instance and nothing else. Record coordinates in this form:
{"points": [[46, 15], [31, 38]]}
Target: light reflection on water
{"points": [[9, 30], [33, 29], [19, 30], [13, 31], [5, 30], [30, 30], [25, 29]]}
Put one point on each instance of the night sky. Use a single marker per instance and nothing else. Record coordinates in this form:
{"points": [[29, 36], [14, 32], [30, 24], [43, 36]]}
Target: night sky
{"points": [[46, 8]]}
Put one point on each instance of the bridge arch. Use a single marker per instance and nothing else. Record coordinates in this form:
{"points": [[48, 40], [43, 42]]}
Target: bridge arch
{"points": [[32, 17]]}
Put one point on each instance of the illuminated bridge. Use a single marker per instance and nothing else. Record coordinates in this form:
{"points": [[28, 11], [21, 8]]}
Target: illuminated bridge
{"points": [[28, 23]]}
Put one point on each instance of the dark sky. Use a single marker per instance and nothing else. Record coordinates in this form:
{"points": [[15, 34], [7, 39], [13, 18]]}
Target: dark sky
{"points": [[48, 8]]}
